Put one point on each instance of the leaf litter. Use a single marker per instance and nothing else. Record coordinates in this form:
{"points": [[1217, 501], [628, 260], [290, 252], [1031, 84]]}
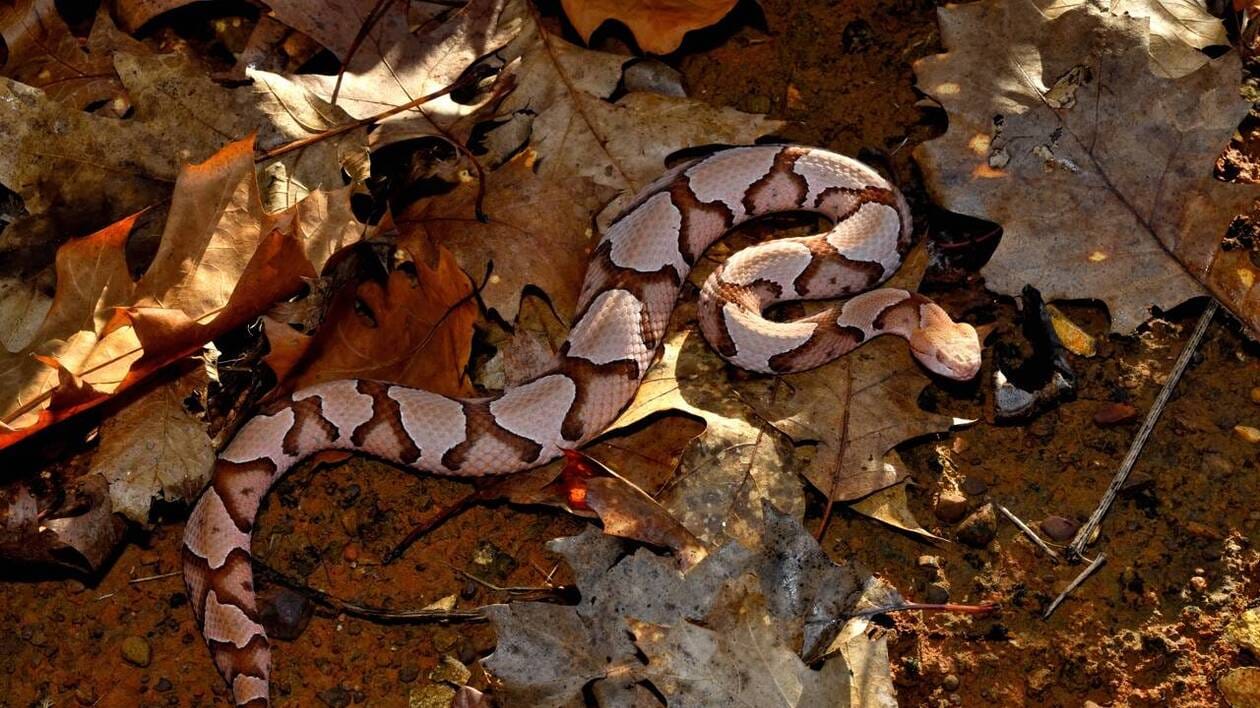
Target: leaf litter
{"points": [[557, 122]]}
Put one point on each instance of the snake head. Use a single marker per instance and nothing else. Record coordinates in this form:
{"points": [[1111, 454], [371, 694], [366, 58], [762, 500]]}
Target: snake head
{"points": [[945, 347]]}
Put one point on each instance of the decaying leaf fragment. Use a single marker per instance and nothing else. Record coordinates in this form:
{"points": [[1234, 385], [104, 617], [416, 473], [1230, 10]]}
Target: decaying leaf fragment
{"points": [[1098, 169], [658, 25], [78, 533], [785, 599]]}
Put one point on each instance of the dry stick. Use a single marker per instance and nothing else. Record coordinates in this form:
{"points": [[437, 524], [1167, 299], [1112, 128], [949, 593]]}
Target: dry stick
{"points": [[844, 448], [374, 15], [1077, 547], [1029, 533], [1089, 570], [981, 609]]}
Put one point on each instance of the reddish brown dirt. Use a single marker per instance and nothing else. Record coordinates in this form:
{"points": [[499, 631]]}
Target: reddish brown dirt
{"points": [[1143, 631]]}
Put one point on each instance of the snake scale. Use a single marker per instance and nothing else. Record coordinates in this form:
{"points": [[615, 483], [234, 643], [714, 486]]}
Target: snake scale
{"points": [[635, 274]]}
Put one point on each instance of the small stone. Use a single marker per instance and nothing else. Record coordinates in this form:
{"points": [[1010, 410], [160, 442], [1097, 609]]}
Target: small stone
{"points": [[979, 528], [1247, 434], [450, 670], [1203, 531], [493, 563], [1255, 395], [350, 553], [1245, 631], [1218, 464], [408, 673], [430, 696], [163, 685], [136, 650], [1241, 686], [951, 506], [1110, 414], [974, 486], [932, 562], [950, 683], [335, 697], [936, 593], [1058, 528], [1039, 679], [1198, 583], [284, 613]]}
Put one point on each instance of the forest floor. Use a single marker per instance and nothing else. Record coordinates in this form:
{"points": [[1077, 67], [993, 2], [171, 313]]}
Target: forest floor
{"points": [[1144, 630]]}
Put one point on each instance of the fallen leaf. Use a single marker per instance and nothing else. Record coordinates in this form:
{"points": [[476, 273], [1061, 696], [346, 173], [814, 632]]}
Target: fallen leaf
{"points": [[1179, 29], [744, 665], [564, 93], [393, 67], [536, 231], [79, 533], [547, 654], [736, 463], [154, 448], [1098, 170], [658, 25], [108, 169], [891, 506], [44, 54], [415, 329], [219, 264]]}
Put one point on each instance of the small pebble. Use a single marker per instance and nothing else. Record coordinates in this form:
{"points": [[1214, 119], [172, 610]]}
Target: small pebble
{"points": [[979, 528], [335, 697], [1058, 528], [932, 562], [1198, 583], [408, 673], [950, 683], [350, 553], [951, 506], [1255, 395], [163, 685], [136, 650], [1115, 414], [1247, 434], [937, 593]]}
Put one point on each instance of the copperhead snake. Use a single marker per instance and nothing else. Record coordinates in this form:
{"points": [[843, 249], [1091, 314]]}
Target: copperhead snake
{"points": [[631, 286]]}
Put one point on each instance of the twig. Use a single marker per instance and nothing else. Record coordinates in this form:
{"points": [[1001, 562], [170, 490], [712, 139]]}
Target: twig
{"points": [[1089, 570], [981, 609], [159, 576], [1029, 533], [1077, 547], [429, 524]]}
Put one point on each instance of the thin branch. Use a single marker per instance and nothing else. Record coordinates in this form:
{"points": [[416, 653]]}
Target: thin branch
{"points": [[1029, 533], [1083, 535], [1076, 582]]}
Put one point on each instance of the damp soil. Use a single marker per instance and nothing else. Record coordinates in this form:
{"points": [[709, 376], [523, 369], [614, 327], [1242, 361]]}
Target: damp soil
{"points": [[1145, 630]]}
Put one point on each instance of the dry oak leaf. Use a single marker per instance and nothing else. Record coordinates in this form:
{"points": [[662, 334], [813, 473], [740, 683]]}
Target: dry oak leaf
{"points": [[219, 264], [737, 463], [415, 329], [1098, 170], [154, 448], [537, 231], [78, 531], [43, 53], [52, 156], [563, 93], [658, 25], [394, 67], [1179, 29]]}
